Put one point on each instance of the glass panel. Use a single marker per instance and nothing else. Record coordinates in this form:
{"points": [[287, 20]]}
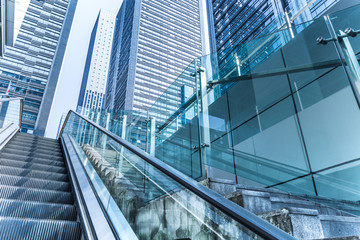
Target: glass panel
{"points": [[268, 148], [156, 206], [329, 118], [303, 186], [341, 182], [10, 110]]}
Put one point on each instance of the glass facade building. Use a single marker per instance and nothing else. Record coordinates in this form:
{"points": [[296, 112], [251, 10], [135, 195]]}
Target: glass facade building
{"points": [[235, 22], [154, 41], [288, 121], [97, 63], [31, 67]]}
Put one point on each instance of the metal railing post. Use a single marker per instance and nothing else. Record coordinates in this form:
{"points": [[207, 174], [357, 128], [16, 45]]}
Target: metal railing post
{"points": [[152, 136]]}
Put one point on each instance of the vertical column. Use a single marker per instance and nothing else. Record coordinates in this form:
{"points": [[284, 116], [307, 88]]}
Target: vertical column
{"points": [[204, 121], [107, 127], [351, 59], [346, 54], [152, 136], [123, 136], [95, 130]]}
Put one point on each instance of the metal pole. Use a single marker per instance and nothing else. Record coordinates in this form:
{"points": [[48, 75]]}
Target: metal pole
{"points": [[95, 129], [345, 54], [152, 136], [204, 121], [123, 136], [289, 24]]}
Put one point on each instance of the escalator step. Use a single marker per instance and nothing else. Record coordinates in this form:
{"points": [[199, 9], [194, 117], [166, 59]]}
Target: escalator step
{"points": [[32, 159], [27, 209], [36, 195], [30, 229], [16, 146], [33, 173], [48, 155], [33, 166], [34, 183]]}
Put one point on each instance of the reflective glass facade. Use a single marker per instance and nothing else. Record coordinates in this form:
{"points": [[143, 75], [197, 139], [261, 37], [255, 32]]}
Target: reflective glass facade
{"points": [[154, 41], [289, 120], [26, 67], [238, 21]]}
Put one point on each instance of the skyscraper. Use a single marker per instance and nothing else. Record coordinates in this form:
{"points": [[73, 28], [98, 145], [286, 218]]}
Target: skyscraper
{"points": [[97, 63], [31, 67], [154, 41], [235, 22], [12, 15]]}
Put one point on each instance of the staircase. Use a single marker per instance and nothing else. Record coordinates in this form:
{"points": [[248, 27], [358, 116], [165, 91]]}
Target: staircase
{"points": [[35, 194], [303, 217]]}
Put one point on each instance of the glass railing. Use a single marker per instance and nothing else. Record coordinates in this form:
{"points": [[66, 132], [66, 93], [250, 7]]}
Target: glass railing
{"points": [[287, 119], [10, 111], [158, 201]]}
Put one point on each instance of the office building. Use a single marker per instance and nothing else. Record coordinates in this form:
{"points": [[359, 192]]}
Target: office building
{"points": [[12, 15], [233, 23], [153, 43], [31, 67], [263, 162], [97, 63]]}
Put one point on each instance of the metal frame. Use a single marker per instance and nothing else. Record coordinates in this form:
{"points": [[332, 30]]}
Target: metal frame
{"points": [[246, 218]]}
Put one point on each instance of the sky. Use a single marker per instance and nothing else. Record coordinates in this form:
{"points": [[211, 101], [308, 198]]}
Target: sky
{"points": [[68, 88]]}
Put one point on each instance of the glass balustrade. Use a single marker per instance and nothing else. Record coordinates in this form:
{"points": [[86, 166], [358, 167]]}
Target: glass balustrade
{"points": [[155, 205], [281, 110], [10, 111]]}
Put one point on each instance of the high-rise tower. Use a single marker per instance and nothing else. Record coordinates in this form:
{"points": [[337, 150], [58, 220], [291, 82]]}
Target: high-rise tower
{"points": [[154, 41], [30, 68], [232, 23], [97, 63]]}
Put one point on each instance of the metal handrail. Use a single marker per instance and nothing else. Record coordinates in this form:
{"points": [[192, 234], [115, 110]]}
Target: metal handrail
{"points": [[246, 218], [21, 105]]}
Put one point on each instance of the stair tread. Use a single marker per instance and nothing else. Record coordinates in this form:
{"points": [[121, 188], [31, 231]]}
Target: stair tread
{"points": [[40, 229], [38, 210], [31, 165], [13, 155], [339, 218], [35, 153], [32, 141], [33, 173], [15, 144], [36, 137], [11, 180], [34, 150], [36, 195], [292, 200]]}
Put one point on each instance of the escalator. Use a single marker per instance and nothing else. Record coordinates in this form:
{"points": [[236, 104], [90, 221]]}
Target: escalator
{"points": [[150, 198], [36, 201]]}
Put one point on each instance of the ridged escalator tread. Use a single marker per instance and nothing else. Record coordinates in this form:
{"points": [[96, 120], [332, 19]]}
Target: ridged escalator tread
{"points": [[38, 210], [31, 165], [34, 183], [37, 195], [39, 229], [32, 159], [33, 173]]}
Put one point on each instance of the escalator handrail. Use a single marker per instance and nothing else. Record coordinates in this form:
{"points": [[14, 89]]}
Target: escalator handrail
{"points": [[241, 215]]}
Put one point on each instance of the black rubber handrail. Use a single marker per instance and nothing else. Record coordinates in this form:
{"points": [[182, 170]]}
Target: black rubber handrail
{"points": [[241, 215]]}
